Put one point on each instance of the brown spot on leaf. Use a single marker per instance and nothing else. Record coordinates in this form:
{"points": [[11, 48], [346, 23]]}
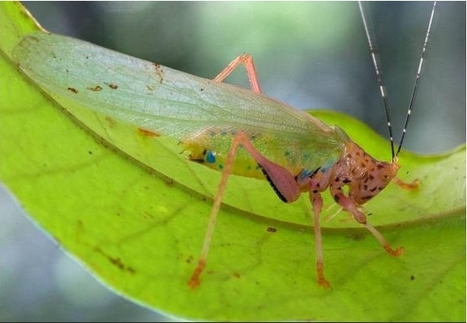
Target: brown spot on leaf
{"points": [[159, 71], [116, 261], [72, 89], [111, 121], [96, 88], [147, 216], [148, 133], [357, 236]]}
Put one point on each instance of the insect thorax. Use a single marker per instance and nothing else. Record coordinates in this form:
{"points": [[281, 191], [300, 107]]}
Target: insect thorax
{"points": [[363, 175]]}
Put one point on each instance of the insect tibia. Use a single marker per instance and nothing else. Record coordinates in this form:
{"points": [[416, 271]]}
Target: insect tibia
{"points": [[393, 252], [407, 186], [247, 61]]}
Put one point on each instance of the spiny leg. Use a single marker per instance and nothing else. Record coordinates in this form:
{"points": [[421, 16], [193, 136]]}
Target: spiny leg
{"points": [[393, 252], [333, 207], [317, 202], [280, 178], [247, 61], [194, 280], [349, 206], [407, 186]]}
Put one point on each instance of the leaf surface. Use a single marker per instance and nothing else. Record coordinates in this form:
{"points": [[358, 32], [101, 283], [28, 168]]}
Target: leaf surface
{"points": [[133, 210]]}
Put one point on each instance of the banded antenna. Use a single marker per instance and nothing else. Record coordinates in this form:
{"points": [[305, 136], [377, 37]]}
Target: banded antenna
{"points": [[379, 76]]}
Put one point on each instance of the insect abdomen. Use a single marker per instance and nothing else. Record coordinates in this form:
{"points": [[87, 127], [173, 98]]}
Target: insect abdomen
{"points": [[241, 166]]}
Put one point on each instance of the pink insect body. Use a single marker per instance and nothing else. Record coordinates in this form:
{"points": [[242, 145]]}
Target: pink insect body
{"points": [[364, 176]]}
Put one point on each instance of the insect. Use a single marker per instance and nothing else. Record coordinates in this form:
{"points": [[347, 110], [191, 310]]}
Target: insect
{"points": [[222, 126]]}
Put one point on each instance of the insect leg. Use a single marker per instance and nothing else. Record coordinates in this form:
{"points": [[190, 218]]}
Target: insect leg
{"points": [[247, 61], [393, 252], [281, 179], [349, 206], [317, 202], [407, 186]]}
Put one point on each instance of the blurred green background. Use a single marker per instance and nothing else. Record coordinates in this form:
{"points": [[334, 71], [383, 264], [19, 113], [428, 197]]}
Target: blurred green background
{"points": [[308, 55]]}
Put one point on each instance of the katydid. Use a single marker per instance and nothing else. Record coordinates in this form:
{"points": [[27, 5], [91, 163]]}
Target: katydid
{"points": [[227, 128]]}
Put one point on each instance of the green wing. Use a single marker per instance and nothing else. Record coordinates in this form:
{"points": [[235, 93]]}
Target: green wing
{"points": [[176, 104]]}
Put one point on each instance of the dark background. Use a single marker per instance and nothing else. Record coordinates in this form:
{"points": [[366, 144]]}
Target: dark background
{"points": [[308, 54]]}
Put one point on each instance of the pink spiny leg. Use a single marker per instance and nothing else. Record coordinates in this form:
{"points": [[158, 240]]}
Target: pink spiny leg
{"points": [[317, 202], [349, 206], [247, 61], [407, 186], [393, 252], [281, 179]]}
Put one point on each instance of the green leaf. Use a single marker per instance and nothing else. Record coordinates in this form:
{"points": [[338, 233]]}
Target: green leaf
{"points": [[134, 211]]}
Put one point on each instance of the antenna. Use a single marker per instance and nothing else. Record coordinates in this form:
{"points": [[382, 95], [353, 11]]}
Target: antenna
{"points": [[417, 77], [379, 75]]}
